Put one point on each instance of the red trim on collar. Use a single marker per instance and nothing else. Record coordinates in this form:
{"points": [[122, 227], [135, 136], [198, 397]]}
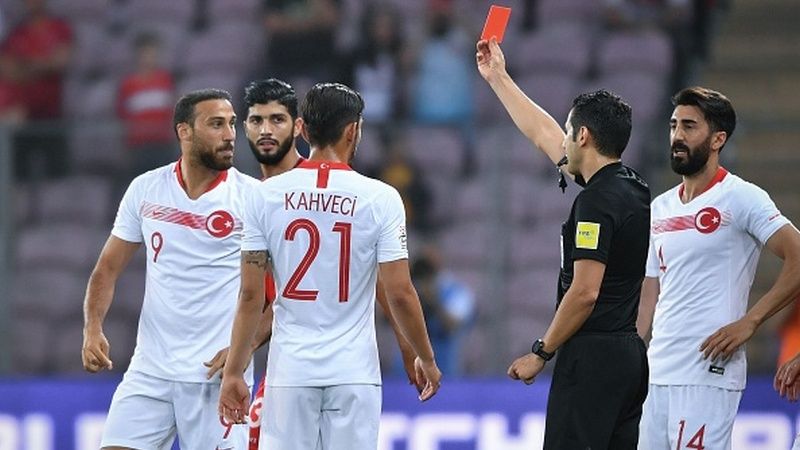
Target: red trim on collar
{"points": [[718, 177], [223, 176], [323, 169], [317, 164]]}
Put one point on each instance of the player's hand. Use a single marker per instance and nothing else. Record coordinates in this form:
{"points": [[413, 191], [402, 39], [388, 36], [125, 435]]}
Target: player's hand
{"points": [[786, 379], [727, 339], [428, 375], [234, 399], [490, 59], [409, 358], [217, 363], [94, 352], [526, 368]]}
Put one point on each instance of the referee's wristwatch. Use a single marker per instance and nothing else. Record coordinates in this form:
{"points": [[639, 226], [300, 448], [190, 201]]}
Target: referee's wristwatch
{"points": [[538, 349]]}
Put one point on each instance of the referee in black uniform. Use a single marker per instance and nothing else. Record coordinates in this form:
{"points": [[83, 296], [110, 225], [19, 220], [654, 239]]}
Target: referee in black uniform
{"points": [[600, 378]]}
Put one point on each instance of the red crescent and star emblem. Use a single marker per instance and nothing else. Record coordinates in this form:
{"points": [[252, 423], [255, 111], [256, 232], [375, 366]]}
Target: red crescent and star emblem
{"points": [[707, 220], [219, 224]]}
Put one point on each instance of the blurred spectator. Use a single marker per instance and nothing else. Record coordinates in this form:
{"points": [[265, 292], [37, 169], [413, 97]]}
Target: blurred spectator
{"points": [[301, 36], [376, 65], [33, 59], [442, 91], [144, 105], [401, 173], [449, 308]]}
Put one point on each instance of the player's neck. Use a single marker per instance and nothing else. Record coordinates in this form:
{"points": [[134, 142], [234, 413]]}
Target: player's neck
{"points": [[335, 153], [694, 185], [286, 164], [593, 162], [196, 179]]}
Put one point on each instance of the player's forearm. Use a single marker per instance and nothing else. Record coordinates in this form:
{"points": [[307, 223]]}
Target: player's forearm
{"points": [[533, 121], [647, 306], [264, 330], [244, 330], [575, 308], [99, 294], [411, 323], [785, 291]]}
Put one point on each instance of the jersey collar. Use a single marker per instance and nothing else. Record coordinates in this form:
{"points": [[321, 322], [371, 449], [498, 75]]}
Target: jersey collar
{"points": [[718, 177], [317, 164], [223, 175]]}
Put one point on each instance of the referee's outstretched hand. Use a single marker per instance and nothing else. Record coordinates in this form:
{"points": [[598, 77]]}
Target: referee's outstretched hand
{"points": [[526, 368], [490, 60]]}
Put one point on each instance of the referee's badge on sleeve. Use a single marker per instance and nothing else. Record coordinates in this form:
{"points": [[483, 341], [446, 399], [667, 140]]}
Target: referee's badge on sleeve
{"points": [[587, 235]]}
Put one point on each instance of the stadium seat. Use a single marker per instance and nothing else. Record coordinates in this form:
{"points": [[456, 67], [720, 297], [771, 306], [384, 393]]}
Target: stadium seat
{"points": [[534, 248], [84, 200], [550, 11], [96, 148], [648, 51], [438, 151], [468, 245], [70, 246], [561, 49], [94, 99], [646, 93], [36, 333], [50, 293], [224, 48]]}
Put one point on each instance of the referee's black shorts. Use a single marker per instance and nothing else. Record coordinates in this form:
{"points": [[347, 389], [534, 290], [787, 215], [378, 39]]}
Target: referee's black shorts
{"points": [[599, 385]]}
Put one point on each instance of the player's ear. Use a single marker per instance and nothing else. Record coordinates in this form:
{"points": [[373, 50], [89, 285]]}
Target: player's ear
{"points": [[298, 127], [351, 131], [184, 131], [301, 126]]}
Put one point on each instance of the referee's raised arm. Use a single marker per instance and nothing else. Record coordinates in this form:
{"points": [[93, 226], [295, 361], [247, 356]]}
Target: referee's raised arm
{"points": [[531, 119]]}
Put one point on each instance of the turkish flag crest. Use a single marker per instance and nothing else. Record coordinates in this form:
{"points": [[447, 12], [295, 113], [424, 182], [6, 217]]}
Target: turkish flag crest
{"points": [[219, 224], [707, 220]]}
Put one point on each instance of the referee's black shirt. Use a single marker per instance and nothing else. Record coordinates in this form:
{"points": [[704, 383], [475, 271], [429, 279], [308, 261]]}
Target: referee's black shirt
{"points": [[610, 223]]}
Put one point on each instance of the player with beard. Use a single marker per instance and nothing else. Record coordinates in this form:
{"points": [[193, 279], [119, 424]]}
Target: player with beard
{"points": [[188, 215], [705, 239], [272, 127]]}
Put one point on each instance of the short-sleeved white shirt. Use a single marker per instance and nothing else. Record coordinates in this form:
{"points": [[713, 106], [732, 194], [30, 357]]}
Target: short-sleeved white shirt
{"points": [[326, 228], [193, 266], [704, 254]]}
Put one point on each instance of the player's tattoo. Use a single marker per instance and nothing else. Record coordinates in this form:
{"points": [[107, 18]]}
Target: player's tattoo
{"points": [[258, 258]]}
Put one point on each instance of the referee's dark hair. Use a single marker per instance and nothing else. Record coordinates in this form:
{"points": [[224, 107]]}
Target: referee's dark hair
{"points": [[265, 91], [185, 111], [716, 108], [607, 118], [327, 109]]}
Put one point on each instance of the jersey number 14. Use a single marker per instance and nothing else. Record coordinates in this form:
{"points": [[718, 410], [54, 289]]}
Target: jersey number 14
{"points": [[292, 291]]}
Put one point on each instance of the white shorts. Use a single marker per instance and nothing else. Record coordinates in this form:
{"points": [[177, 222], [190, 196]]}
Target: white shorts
{"points": [[148, 412], [311, 418], [681, 417]]}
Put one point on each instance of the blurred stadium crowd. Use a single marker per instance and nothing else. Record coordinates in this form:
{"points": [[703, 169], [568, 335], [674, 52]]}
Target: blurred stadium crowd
{"points": [[95, 109]]}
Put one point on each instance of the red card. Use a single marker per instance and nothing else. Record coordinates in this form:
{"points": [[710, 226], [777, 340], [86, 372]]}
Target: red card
{"points": [[496, 23]]}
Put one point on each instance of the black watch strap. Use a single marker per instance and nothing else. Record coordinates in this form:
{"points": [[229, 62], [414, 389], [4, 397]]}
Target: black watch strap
{"points": [[538, 349]]}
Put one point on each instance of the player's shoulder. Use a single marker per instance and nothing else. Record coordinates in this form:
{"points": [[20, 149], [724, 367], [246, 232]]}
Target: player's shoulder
{"points": [[237, 177], [664, 198], [740, 186], [154, 177]]}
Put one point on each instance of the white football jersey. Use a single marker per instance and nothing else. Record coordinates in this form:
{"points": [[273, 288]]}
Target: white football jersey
{"points": [[326, 228], [704, 254], [193, 266]]}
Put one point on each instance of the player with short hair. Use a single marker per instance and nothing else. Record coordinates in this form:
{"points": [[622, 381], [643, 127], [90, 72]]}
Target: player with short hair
{"points": [[272, 126], [592, 404], [705, 239], [188, 215], [326, 231]]}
